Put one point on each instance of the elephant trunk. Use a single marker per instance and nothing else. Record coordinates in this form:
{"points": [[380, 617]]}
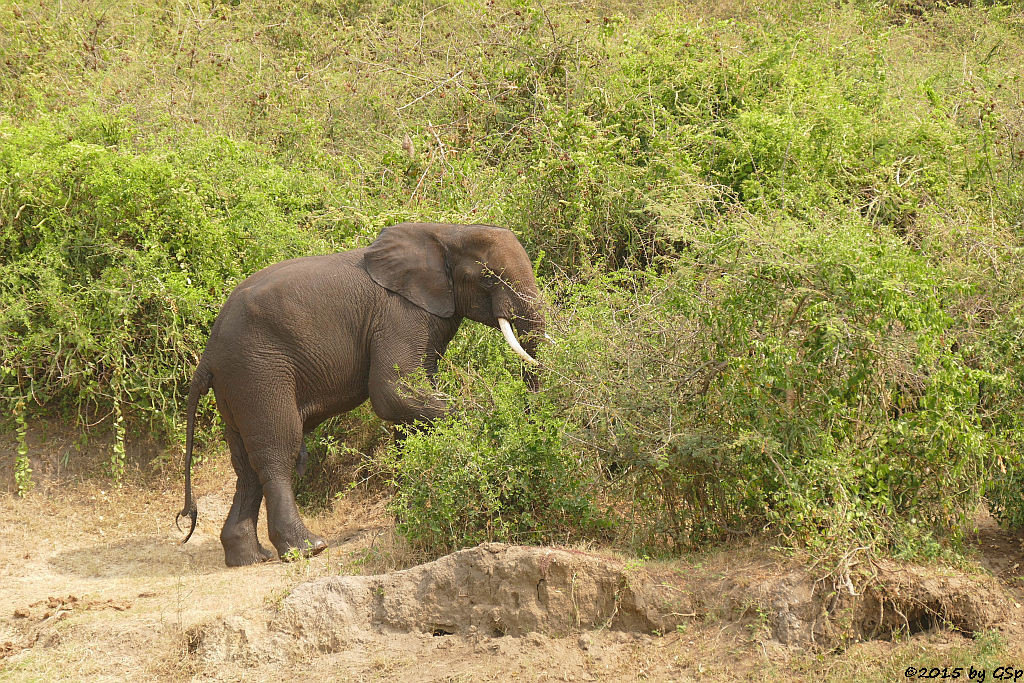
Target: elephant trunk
{"points": [[531, 338], [522, 326]]}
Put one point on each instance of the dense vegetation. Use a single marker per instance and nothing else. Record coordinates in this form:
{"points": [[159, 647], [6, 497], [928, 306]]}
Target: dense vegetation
{"points": [[781, 245]]}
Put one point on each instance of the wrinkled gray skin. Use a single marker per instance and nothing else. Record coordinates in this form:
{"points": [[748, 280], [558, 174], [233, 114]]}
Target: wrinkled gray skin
{"points": [[307, 339]]}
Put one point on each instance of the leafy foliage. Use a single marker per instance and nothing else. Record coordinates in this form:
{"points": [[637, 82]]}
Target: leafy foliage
{"points": [[492, 470], [811, 381], [782, 243], [114, 260]]}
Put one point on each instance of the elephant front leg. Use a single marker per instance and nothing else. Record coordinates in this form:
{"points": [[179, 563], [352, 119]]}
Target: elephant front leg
{"points": [[300, 466], [396, 401], [409, 342]]}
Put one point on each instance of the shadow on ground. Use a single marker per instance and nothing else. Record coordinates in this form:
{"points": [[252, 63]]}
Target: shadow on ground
{"points": [[151, 555]]}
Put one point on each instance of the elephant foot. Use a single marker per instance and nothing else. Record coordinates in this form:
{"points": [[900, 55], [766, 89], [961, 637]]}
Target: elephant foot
{"points": [[314, 545], [234, 557], [242, 547]]}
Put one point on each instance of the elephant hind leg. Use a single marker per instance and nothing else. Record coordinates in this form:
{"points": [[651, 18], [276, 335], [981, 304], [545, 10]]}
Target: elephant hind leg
{"points": [[285, 527], [274, 460], [241, 544]]}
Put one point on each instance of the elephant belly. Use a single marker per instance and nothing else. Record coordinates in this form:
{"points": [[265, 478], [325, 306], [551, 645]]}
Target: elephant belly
{"points": [[330, 392], [313, 413]]}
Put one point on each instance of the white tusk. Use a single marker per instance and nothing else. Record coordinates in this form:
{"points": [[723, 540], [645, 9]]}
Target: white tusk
{"points": [[510, 337]]}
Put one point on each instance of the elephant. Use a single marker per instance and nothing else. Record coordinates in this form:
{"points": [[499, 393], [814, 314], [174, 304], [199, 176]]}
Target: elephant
{"points": [[312, 337]]}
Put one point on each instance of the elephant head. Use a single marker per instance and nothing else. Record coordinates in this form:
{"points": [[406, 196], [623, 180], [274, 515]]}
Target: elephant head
{"points": [[478, 272]]}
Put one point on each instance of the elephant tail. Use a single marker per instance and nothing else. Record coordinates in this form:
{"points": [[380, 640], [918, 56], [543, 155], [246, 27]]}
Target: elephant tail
{"points": [[200, 385]]}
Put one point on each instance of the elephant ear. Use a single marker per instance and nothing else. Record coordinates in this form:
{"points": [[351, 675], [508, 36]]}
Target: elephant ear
{"points": [[409, 260]]}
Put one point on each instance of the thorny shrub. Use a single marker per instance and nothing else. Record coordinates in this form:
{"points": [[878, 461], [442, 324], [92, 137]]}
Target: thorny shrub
{"points": [[783, 250]]}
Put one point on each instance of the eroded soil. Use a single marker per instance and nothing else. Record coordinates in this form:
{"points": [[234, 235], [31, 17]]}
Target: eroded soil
{"points": [[96, 585]]}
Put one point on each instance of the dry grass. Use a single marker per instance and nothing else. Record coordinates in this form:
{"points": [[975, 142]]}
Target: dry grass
{"points": [[126, 594], [127, 589], [240, 71]]}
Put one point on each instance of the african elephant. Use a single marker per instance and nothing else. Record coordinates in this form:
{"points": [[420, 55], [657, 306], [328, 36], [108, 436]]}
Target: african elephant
{"points": [[312, 337]]}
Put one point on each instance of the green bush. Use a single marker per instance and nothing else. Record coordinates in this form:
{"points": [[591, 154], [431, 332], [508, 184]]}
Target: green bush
{"points": [[498, 469], [116, 253], [782, 244], [802, 377]]}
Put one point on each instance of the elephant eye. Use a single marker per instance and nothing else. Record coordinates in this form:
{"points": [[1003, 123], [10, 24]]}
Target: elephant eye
{"points": [[488, 278]]}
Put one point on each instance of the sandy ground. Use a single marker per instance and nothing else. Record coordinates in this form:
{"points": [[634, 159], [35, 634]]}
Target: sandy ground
{"points": [[94, 584]]}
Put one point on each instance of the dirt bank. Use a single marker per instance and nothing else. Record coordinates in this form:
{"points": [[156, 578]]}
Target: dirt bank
{"points": [[96, 586]]}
